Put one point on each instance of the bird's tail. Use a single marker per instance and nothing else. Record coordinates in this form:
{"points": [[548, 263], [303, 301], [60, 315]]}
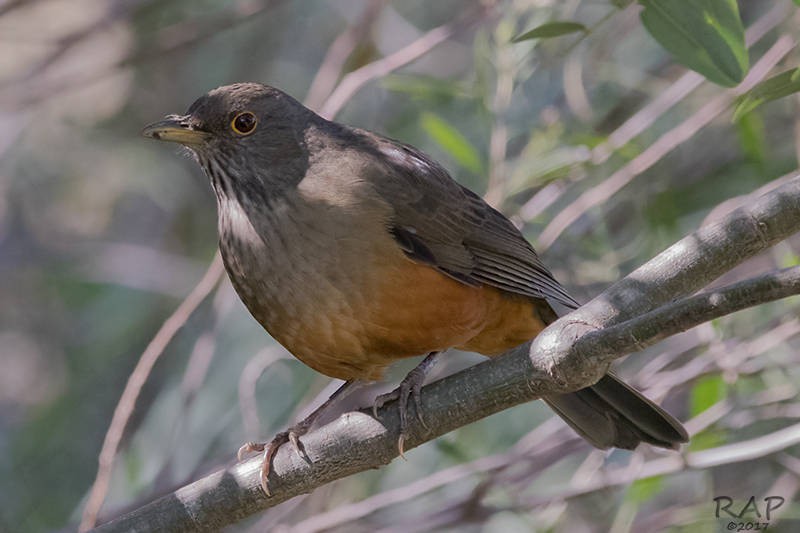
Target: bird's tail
{"points": [[611, 413]]}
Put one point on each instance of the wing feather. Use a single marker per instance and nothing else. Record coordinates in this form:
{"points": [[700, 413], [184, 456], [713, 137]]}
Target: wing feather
{"points": [[441, 223]]}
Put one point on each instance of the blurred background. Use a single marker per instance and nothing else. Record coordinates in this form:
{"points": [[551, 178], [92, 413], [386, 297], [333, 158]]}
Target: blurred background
{"points": [[598, 145]]}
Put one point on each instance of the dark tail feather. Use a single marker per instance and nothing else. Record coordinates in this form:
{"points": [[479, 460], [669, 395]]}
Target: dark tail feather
{"points": [[611, 413]]}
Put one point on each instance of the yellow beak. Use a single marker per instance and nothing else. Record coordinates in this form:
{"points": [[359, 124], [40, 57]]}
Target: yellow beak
{"points": [[176, 129]]}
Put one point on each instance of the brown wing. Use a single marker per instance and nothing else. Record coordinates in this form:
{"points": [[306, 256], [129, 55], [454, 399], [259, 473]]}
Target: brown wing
{"points": [[439, 222]]}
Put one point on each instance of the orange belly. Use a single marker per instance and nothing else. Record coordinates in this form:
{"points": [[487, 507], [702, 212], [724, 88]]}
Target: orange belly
{"points": [[407, 309], [429, 311]]}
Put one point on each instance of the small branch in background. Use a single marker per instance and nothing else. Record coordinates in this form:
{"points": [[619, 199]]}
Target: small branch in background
{"points": [[194, 376], [133, 387], [531, 448], [324, 81], [248, 379], [168, 40], [498, 138], [664, 145], [10, 5], [645, 117], [722, 209], [677, 91], [116, 12], [355, 80], [712, 457]]}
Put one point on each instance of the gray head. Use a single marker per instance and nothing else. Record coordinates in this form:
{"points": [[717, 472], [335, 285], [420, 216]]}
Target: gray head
{"points": [[248, 137]]}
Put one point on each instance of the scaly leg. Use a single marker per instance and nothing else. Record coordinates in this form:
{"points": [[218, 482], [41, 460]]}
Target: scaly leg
{"points": [[293, 435], [409, 387]]}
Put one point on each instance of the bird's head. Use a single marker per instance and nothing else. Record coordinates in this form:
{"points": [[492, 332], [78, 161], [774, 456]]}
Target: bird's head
{"points": [[240, 133], [239, 115]]}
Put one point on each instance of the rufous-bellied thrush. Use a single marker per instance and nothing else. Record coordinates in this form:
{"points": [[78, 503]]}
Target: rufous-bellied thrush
{"points": [[354, 251]]}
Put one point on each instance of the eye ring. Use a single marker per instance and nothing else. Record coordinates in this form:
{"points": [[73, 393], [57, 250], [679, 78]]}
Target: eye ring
{"points": [[244, 123]]}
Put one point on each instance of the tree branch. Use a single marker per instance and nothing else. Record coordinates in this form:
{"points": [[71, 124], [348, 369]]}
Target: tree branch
{"points": [[680, 270], [678, 316], [356, 441]]}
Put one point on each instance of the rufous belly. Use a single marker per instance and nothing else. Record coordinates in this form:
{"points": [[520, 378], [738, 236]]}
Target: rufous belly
{"points": [[403, 309]]}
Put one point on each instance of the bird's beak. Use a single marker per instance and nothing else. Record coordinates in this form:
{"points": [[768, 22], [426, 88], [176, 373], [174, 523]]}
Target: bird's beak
{"points": [[176, 128]]}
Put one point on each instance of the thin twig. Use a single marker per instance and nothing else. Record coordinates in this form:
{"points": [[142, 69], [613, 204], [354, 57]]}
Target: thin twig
{"points": [[728, 454], [665, 144], [688, 82], [345, 514], [133, 387], [722, 209], [645, 117], [733, 363], [330, 69], [355, 80], [248, 379], [498, 137], [62, 46], [166, 41], [10, 5]]}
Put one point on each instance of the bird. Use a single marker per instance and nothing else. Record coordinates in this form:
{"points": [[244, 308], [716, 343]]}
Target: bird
{"points": [[354, 251]]}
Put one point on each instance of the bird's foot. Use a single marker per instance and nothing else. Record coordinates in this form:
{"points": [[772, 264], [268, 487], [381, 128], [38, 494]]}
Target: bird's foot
{"points": [[291, 435], [409, 388]]}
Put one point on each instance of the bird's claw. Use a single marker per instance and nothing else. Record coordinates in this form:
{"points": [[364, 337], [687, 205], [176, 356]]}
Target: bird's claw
{"points": [[270, 448], [410, 387]]}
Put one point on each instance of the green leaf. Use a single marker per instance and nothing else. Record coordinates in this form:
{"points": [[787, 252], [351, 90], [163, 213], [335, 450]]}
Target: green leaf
{"points": [[788, 259], [710, 438], [551, 29], [750, 128], [705, 35], [706, 392], [773, 88], [452, 142], [643, 490], [427, 87]]}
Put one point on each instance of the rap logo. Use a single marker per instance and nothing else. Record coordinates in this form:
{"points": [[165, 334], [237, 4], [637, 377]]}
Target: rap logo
{"points": [[724, 504]]}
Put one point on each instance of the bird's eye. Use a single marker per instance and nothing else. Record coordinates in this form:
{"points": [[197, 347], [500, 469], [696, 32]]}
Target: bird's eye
{"points": [[244, 123]]}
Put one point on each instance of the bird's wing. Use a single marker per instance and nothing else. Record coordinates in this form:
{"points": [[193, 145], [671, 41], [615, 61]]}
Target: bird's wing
{"points": [[441, 223]]}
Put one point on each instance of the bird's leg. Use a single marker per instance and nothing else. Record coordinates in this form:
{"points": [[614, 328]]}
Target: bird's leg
{"points": [[293, 435], [409, 387]]}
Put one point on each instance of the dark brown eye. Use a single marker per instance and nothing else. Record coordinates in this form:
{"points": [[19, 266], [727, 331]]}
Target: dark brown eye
{"points": [[244, 123]]}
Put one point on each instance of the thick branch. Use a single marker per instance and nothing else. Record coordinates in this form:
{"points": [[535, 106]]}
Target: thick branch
{"points": [[680, 270], [678, 316], [356, 442]]}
